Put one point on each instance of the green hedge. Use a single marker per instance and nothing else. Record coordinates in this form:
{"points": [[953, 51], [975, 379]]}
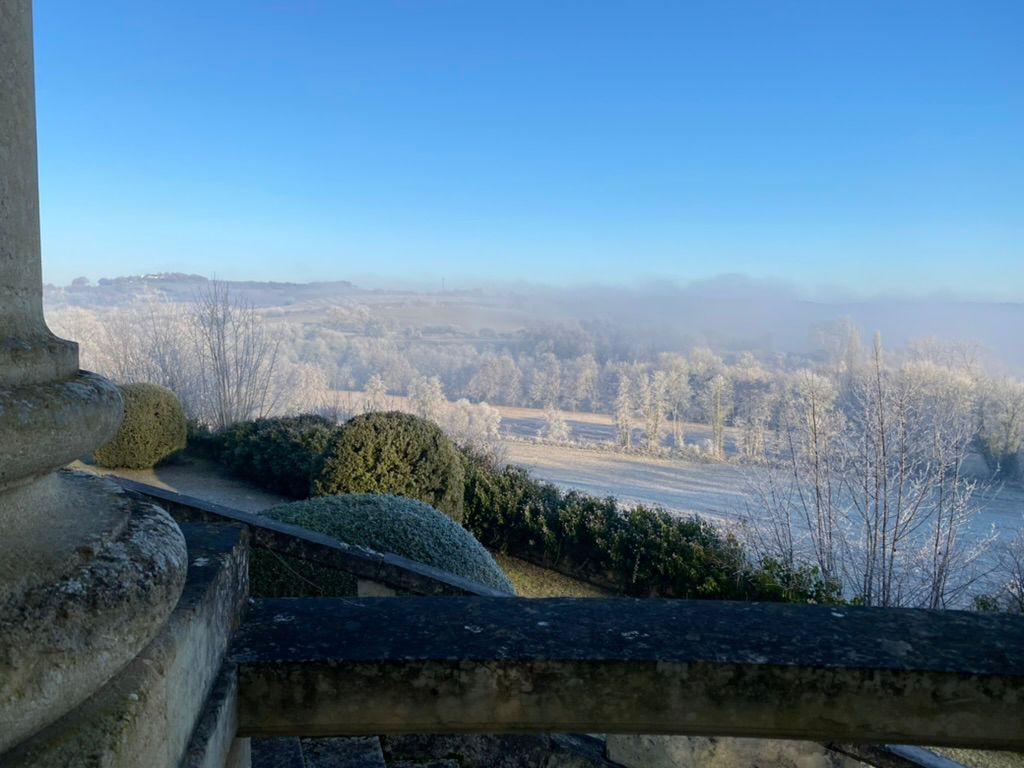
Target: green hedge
{"points": [[395, 453], [640, 551], [202, 440], [383, 523], [279, 454], [153, 429]]}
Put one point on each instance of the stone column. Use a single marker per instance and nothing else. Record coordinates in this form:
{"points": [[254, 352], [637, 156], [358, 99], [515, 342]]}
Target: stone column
{"points": [[87, 576]]}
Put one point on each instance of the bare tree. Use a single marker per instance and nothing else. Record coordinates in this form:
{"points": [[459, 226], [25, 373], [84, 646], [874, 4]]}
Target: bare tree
{"points": [[1001, 426], [170, 359], [677, 392], [654, 409], [716, 402], [1009, 571], [813, 449], [237, 356], [798, 514], [911, 493], [877, 497], [625, 408]]}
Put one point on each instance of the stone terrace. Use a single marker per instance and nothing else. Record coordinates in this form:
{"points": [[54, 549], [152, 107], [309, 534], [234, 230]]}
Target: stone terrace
{"points": [[128, 639]]}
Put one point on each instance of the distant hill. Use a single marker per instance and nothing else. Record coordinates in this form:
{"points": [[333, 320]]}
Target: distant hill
{"points": [[179, 287]]}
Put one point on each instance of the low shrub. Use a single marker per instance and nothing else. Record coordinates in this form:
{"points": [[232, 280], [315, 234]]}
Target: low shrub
{"points": [[153, 429], [392, 524], [202, 440], [279, 454], [393, 453], [641, 551]]}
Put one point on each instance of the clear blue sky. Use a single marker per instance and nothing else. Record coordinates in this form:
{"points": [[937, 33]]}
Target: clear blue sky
{"points": [[876, 146]]}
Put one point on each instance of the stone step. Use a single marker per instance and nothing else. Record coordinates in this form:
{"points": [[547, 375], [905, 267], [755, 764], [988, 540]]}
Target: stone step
{"points": [[277, 753], [349, 752], [496, 751]]}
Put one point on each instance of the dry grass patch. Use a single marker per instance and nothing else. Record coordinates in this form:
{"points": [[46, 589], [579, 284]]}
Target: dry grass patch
{"points": [[533, 581]]}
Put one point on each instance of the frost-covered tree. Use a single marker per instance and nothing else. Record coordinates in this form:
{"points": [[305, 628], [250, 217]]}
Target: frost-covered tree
{"points": [[752, 397], [654, 409], [877, 496], [485, 385], [238, 357], [376, 394], [1001, 426], [582, 387], [546, 384], [677, 392], [1009, 575], [497, 379], [555, 428], [625, 408], [910, 435], [801, 512], [305, 389], [510, 380], [216, 353], [704, 365], [427, 399], [716, 405], [475, 427]]}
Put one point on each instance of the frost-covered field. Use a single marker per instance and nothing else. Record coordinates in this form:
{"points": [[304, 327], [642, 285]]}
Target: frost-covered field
{"points": [[709, 489]]}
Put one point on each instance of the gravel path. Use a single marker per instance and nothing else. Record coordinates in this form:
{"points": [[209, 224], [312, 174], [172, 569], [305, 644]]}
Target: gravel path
{"points": [[194, 476]]}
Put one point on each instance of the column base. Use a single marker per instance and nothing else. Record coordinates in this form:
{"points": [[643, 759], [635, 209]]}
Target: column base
{"points": [[68, 628], [174, 704]]}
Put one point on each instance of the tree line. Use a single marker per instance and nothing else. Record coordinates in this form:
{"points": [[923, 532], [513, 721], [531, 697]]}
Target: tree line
{"points": [[228, 361], [874, 445]]}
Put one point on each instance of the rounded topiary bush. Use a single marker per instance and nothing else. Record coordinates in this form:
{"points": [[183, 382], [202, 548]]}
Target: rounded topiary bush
{"points": [[279, 454], [397, 453], [387, 524], [153, 428]]}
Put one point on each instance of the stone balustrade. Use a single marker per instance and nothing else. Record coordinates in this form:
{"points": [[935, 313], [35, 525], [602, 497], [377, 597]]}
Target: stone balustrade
{"points": [[821, 673]]}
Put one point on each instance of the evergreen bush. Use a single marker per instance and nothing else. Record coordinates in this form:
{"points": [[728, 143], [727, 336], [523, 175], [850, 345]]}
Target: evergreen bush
{"points": [[279, 454], [385, 524], [395, 453], [641, 551], [153, 428], [202, 440]]}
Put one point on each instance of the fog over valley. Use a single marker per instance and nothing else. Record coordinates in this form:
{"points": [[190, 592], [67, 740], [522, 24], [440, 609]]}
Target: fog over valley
{"points": [[730, 314]]}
